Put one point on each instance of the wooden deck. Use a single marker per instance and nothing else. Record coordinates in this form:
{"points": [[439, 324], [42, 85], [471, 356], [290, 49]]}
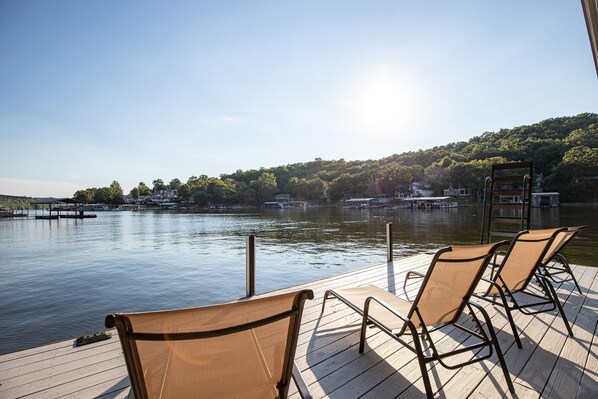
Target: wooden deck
{"points": [[550, 365]]}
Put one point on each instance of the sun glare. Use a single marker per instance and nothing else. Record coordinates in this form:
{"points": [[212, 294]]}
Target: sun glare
{"points": [[383, 104]]}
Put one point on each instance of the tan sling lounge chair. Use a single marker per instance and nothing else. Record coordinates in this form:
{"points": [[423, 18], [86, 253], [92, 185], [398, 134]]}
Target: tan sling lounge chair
{"points": [[555, 263], [443, 296], [242, 349], [512, 277]]}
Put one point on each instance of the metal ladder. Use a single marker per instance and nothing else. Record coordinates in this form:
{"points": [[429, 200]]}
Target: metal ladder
{"points": [[507, 201]]}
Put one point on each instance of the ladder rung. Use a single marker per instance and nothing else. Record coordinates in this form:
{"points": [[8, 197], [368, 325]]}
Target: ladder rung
{"points": [[508, 179], [512, 165], [496, 193], [503, 233], [509, 220], [508, 205]]}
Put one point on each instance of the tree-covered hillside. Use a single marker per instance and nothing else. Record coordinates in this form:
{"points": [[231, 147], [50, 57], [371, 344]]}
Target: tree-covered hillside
{"points": [[564, 150]]}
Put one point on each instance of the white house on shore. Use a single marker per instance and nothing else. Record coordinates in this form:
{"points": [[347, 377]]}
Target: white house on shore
{"points": [[457, 192]]}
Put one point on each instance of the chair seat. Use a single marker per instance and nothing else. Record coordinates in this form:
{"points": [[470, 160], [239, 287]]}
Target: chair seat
{"points": [[358, 295]]}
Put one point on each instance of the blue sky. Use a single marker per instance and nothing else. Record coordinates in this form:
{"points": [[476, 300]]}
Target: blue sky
{"points": [[92, 92]]}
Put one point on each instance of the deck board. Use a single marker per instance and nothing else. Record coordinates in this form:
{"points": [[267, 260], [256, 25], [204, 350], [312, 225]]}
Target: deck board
{"points": [[551, 364]]}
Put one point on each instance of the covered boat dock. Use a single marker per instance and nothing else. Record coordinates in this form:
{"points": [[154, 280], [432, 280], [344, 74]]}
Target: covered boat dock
{"points": [[63, 208]]}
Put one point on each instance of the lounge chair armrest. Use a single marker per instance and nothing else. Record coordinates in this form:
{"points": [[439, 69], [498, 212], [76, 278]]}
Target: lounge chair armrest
{"points": [[408, 323], [300, 383], [493, 264], [487, 320], [492, 283], [579, 228], [380, 302], [409, 275], [500, 244]]}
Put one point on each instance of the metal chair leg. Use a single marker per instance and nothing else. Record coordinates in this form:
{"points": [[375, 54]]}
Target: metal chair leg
{"points": [[567, 267], [550, 291]]}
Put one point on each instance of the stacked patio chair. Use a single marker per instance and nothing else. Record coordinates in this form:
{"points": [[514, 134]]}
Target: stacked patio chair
{"points": [[242, 349], [443, 296], [511, 278]]}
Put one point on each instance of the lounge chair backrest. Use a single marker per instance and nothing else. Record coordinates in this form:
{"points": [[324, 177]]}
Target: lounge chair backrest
{"points": [[449, 283], [526, 251], [562, 238], [238, 349]]}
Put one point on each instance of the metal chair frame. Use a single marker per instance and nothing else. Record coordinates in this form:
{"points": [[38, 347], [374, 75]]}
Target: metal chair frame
{"points": [[558, 263], [507, 296], [484, 339]]}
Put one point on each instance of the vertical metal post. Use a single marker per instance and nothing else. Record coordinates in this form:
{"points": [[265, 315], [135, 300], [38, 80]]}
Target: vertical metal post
{"points": [[388, 242], [250, 265]]}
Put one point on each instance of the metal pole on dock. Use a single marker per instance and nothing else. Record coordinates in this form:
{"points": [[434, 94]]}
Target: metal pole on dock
{"points": [[388, 242], [250, 265]]}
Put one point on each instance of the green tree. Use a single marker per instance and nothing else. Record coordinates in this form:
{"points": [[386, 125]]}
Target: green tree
{"points": [[224, 190], [144, 189], [395, 178], [587, 137], [438, 177], [85, 196], [159, 185], [264, 187], [250, 196], [575, 176], [184, 192], [175, 184], [134, 193], [306, 190], [346, 186], [116, 193], [315, 190], [102, 195]]}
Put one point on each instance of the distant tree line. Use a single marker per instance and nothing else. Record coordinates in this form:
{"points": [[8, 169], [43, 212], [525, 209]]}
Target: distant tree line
{"points": [[564, 150], [103, 195], [14, 202]]}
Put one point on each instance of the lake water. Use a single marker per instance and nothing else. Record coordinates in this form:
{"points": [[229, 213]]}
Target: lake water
{"points": [[60, 278]]}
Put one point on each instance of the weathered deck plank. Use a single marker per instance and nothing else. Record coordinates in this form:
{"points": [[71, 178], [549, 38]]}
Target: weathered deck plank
{"points": [[551, 364], [534, 329]]}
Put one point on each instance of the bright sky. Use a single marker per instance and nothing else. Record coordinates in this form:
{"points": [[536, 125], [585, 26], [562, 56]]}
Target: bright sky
{"points": [[96, 91]]}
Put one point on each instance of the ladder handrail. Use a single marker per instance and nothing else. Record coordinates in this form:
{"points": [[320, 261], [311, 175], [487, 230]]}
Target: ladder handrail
{"points": [[487, 182], [526, 199]]}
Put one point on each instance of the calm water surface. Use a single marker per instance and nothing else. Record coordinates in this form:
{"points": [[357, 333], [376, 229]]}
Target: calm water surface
{"points": [[59, 279]]}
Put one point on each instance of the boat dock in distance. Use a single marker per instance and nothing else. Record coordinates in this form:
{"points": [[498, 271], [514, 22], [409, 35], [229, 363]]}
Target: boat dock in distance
{"points": [[406, 202], [64, 208], [429, 202]]}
